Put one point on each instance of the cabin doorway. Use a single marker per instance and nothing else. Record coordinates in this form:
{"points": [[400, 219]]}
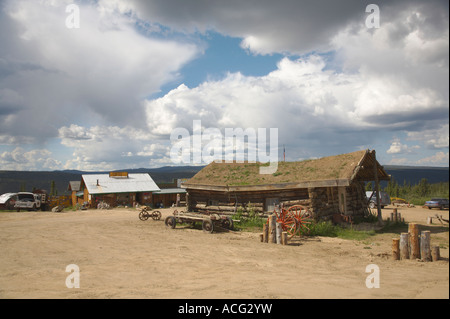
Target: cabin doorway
{"points": [[272, 203]]}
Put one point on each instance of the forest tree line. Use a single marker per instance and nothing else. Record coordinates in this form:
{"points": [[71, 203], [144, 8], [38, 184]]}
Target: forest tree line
{"points": [[416, 194]]}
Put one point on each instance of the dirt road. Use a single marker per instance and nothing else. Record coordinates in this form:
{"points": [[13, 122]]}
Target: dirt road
{"points": [[120, 256]]}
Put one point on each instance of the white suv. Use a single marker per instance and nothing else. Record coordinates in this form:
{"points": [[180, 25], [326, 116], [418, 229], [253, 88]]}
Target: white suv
{"points": [[372, 199]]}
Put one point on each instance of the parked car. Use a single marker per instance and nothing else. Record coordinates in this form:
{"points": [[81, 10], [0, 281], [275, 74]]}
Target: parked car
{"points": [[27, 201], [372, 198], [440, 203], [8, 200]]}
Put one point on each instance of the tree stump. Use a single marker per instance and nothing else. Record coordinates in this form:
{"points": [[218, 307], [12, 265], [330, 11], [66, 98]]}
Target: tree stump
{"points": [[413, 230], [404, 247], [284, 238], [395, 248], [425, 245], [435, 253], [278, 233], [272, 228], [265, 233]]}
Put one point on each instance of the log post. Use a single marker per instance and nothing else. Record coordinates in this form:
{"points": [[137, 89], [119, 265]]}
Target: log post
{"points": [[429, 220], [377, 187], [395, 215], [265, 233], [395, 248], [284, 238], [278, 231], [435, 253], [272, 228], [425, 245], [404, 247], [413, 230]]}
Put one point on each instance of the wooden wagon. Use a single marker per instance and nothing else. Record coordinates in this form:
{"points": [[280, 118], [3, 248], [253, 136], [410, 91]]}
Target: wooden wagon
{"points": [[146, 212], [210, 221]]}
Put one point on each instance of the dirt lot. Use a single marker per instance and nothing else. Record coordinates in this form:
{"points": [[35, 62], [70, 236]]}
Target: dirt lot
{"points": [[120, 256]]}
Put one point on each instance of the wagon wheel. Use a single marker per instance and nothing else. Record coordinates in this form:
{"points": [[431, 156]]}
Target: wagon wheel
{"points": [[288, 222], [302, 215], [170, 221], [208, 226], [156, 215], [144, 215], [227, 223]]}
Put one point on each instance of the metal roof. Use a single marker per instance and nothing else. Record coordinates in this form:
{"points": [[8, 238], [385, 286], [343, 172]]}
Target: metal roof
{"points": [[74, 186], [171, 191], [104, 184]]}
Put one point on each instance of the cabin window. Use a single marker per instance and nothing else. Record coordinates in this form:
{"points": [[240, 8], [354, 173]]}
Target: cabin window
{"points": [[272, 203], [213, 202]]}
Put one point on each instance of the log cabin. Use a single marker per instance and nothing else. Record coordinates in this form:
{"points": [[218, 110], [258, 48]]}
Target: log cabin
{"points": [[327, 186]]}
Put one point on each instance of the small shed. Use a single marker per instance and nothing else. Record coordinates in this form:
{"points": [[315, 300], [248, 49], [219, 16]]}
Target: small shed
{"points": [[118, 188], [329, 185], [75, 187]]}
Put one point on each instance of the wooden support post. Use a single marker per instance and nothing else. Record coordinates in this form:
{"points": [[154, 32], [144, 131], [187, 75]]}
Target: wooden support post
{"points": [[265, 233], [425, 245], [272, 228], [429, 220], [261, 237], [413, 230], [392, 217], [284, 238], [377, 187], [435, 253], [395, 248], [279, 231], [404, 247], [395, 215]]}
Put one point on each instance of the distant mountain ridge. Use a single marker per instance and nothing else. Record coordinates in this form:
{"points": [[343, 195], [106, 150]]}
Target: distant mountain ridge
{"points": [[13, 181]]}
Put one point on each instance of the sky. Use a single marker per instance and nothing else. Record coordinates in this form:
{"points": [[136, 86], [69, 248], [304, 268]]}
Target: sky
{"points": [[103, 85]]}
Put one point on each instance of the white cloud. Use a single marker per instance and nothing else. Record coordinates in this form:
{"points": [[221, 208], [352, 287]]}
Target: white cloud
{"points": [[100, 72], [370, 84], [399, 148], [310, 105], [438, 159], [21, 159], [108, 147], [434, 138]]}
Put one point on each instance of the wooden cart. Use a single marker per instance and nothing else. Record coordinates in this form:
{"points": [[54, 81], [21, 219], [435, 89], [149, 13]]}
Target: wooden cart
{"points": [[146, 212], [210, 221]]}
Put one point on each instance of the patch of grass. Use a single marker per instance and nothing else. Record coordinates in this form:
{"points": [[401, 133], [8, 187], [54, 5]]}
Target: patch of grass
{"points": [[250, 221], [327, 229], [276, 174]]}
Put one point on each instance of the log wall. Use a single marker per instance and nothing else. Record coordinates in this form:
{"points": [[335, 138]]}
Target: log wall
{"points": [[322, 201]]}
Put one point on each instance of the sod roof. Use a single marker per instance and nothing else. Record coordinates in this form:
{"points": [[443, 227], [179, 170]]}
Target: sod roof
{"points": [[340, 167]]}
